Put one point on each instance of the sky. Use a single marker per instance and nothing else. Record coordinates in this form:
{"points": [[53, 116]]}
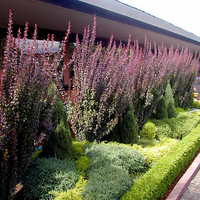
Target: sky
{"points": [[182, 13]]}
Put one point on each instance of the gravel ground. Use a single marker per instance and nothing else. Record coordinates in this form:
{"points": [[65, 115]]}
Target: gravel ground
{"points": [[193, 190]]}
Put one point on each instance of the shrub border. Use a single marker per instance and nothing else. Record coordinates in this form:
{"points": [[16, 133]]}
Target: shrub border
{"points": [[155, 182]]}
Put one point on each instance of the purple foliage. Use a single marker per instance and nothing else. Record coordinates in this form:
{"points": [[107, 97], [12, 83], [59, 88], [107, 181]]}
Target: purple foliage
{"points": [[105, 81], [99, 94], [27, 96]]}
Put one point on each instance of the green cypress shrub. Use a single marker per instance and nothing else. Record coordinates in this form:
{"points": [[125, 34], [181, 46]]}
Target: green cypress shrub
{"points": [[169, 100], [129, 128], [59, 143], [59, 112], [161, 109], [126, 130], [171, 110], [168, 94]]}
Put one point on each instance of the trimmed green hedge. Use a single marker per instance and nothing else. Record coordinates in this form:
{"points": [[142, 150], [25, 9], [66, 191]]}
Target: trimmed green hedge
{"points": [[156, 181]]}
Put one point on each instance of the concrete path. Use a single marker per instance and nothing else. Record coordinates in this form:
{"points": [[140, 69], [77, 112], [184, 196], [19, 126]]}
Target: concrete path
{"points": [[193, 190], [188, 187]]}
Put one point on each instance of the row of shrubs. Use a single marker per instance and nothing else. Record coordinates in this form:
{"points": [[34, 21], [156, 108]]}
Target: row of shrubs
{"points": [[154, 150], [156, 181], [177, 127]]}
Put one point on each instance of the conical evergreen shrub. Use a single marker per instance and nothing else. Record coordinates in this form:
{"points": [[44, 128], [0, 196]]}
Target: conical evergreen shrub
{"points": [[59, 144], [171, 110], [161, 109], [126, 130], [169, 100], [129, 128]]}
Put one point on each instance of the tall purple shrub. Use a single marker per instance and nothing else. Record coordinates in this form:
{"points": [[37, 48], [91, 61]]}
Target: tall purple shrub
{"points": [[99, 94], [148, 73], [183, 76], [27, 96]]}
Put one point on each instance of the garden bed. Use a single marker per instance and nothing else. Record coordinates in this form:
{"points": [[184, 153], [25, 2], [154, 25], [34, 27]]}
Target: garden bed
{"points": [[156, 183], [116, 89]]}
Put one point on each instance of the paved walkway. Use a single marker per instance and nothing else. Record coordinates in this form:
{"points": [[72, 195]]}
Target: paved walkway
{"points": [[188, 187], [193, 190]]}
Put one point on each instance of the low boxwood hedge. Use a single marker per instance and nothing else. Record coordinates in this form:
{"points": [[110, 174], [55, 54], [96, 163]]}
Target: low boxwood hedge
{"points": [[155, 182]]}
